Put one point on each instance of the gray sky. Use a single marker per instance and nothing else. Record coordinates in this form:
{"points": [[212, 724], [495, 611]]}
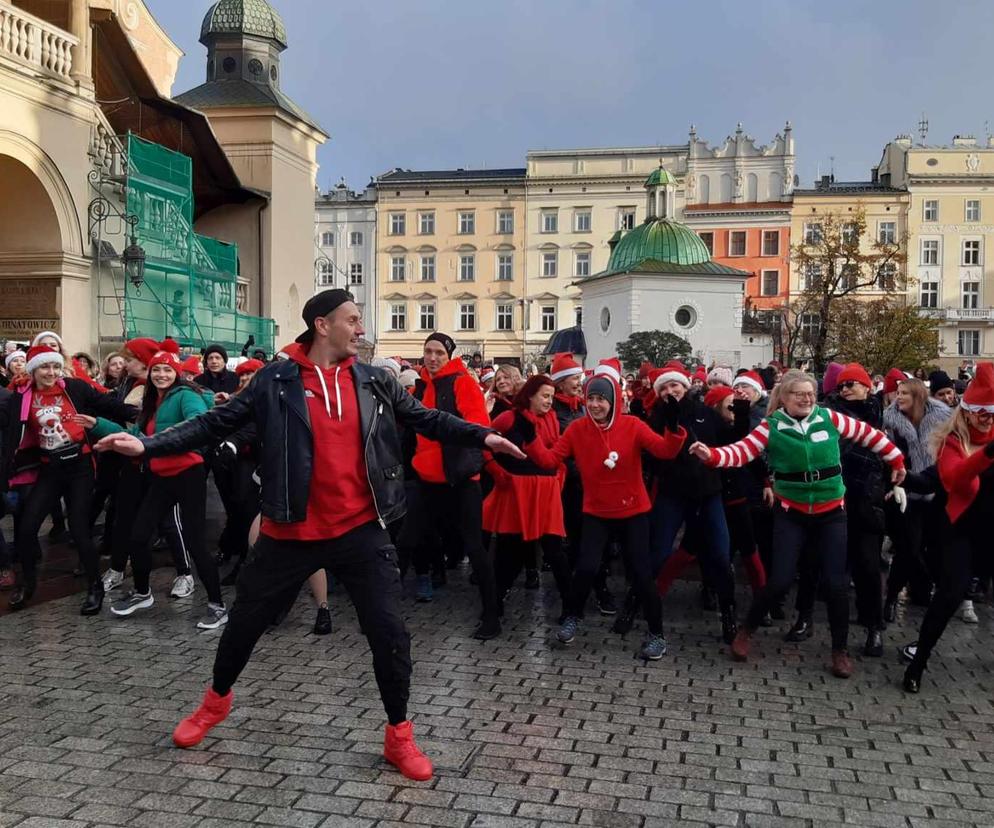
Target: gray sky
{"points": [[456, 83]]}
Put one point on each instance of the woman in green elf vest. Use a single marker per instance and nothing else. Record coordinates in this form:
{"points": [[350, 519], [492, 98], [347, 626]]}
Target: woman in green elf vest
{"points": [[801, 441]]}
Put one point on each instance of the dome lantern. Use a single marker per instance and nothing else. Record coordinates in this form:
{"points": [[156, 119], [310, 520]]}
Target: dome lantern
{"points": [[660, 189]]}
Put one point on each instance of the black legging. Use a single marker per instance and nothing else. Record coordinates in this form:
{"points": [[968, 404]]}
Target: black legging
{"points": [[514, 554], [915, 563], [74, 481], [633, 535], [188, 491]]}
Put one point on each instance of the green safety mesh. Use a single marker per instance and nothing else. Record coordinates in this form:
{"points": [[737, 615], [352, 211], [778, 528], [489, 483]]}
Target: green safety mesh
{"points": [[190, 286]]}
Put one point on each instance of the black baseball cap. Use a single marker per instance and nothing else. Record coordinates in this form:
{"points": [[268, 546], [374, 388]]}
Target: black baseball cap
{"points": [[321, 304]]}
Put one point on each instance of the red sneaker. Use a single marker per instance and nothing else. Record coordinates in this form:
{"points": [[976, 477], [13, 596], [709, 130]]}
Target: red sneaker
{"points": [[740, 646], [213, 710], [842, 666], [400, 750]]}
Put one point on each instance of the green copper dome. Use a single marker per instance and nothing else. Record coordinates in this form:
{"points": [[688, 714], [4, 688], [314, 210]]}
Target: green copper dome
{"points": [[659, 178], [658, 240], [250, 17]]}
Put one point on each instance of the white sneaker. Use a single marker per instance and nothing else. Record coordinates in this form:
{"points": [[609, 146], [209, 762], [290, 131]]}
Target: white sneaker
{"points": [[216, 616], [182, 586], [132, 602], [112, 579], [968, 613]]}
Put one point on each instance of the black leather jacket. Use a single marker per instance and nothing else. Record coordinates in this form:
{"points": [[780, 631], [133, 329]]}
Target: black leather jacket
{"points": [[274, 400]]}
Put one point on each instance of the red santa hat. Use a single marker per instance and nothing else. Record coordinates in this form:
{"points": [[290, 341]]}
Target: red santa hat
{"points": [[164, 357], [717, 395], [192, 365], [979, 394], [563, 366], [671, 372], [250, 366], [39, 337], [645, 369], [144, 348], [610, 367], [488, 373], [894, 376], [700, 375], [753, 380], [39, 355], [12, 356]]}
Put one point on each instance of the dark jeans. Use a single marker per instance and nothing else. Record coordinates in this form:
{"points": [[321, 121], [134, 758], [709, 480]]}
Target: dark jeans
{"points": [[454, 513], [706, 516], [633, 535], [73, 481], [795, 535], [365, 563], [185, 496], [514, 554]]}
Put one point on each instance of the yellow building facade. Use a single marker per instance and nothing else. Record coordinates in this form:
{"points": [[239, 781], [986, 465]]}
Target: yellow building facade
{"points": [[450, 257]]}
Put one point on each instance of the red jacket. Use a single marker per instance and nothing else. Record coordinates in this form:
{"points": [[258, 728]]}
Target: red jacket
{"points": [[960, 472], [609, 493], [471, 407]]}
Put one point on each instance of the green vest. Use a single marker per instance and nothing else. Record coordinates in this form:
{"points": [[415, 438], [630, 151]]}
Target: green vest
{"points": [[804, 446]]}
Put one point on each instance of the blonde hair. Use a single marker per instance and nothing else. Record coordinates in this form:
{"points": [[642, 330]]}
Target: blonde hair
{"points": [[956, 425], [919, 397], [513, 374], [787, 382]]}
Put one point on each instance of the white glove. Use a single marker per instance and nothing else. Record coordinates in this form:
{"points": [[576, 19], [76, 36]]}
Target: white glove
{"points": [[900, 498]]}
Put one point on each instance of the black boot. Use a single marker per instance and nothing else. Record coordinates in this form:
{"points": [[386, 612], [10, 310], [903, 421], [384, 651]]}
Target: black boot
{"points": [[707, 599], [913, 677], [94, 599], [801, 631], [22, 593], [489, 628], [874, 647], [729, 627], [626, 618]]}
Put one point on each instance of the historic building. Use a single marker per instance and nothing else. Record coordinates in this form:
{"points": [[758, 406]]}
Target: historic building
{"points": [[661, 276], [345, 246], [950, 221]]}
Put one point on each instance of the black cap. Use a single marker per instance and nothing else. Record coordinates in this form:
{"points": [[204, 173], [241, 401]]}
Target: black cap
{"points": [[321, 304], [444, 340], [938, 380]]}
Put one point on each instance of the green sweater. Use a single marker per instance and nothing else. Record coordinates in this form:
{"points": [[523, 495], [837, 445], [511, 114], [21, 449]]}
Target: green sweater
{"points": [[180, 403], [804, 446]]}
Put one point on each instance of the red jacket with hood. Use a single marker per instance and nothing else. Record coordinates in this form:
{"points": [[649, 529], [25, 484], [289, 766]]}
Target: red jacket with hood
{"points": [[960, 471], [617, 492]]}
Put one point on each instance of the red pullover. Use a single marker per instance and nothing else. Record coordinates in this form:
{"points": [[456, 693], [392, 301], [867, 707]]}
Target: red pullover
{"points": [[339, 499], [960, 471]]}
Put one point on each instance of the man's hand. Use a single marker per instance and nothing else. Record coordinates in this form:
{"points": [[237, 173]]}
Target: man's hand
{"points": [[501, 445], [221, 397], [897, 476], [122, 443]]}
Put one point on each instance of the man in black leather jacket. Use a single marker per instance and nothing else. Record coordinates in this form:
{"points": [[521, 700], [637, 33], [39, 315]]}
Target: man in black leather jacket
{"points": [[332, 479]]}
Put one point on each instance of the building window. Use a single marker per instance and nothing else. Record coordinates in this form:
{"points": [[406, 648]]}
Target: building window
{"points": [[771, 283], [887, 232], [427, 268], [327, 239], [505, 267], [467, 223], [850, 234], [930, 252], [467, 316], [930, 210], [809, 327], [887, 276], [398, 317], [848, 277], [326, 273], [771, 242], [626, 218], [355, 273], [355, 239], [929, 295], [550, 264], [811, 277], [505, 221], [398, 224], [736, 242], [505, 316], [970, 296], [426, 223], [582, 264], [398, 268], [708, 239], [972, 209], [813, 233], [971, 252], [426, 316], [969, 343], [467, 268], [581, 221], [548, 317], [550, 221]]}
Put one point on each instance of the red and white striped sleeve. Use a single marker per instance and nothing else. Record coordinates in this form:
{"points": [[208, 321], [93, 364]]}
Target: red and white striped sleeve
{"points": [[744, 451], [869, 437]]}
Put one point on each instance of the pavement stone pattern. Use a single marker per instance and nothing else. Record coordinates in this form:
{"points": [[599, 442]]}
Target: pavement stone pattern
{"points": [[524, 734]]}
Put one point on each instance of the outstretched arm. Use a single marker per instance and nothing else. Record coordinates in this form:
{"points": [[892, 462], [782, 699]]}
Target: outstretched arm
{"points": [[874, 439], [737, 454], [663, 446]]}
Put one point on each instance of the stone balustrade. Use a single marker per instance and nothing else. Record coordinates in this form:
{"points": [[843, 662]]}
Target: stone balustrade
{"points": [[31, 41]]}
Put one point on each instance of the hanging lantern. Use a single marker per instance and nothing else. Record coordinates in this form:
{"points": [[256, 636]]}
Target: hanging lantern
{"points": [[133, 259]]}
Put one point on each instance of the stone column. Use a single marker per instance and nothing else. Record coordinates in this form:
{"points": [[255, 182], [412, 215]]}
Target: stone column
{"points": [[82, 58]]}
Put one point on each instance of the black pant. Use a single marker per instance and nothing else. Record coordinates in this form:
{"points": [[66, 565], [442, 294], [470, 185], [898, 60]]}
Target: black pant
{"points": [[633, 535], [74, 481], [132, 485], [965, 538], [514, 554], [913, 536], [796, 534], [185, 496], [454, 513], [365, 563]]}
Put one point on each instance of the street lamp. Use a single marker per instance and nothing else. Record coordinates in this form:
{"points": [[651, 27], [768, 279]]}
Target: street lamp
{"points": [[133, 259]]}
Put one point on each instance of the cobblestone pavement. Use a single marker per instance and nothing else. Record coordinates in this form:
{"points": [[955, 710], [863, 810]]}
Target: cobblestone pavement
{"points": [[523, 734]]}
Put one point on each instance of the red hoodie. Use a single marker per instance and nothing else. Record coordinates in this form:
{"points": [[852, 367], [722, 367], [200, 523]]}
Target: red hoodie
{"points": [[959, 471], [617, 492], [339, 499], [472, 408]]}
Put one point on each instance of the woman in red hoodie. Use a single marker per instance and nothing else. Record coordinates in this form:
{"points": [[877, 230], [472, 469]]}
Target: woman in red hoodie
{"points": [[607, 447], [525, 506], [964, 451]]}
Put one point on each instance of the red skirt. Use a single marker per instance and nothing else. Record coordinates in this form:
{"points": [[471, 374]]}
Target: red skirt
{"points": [[532, 506]]}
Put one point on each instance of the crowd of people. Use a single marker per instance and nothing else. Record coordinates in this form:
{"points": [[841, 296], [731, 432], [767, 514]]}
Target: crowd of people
{"points": [[366, 474]]}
